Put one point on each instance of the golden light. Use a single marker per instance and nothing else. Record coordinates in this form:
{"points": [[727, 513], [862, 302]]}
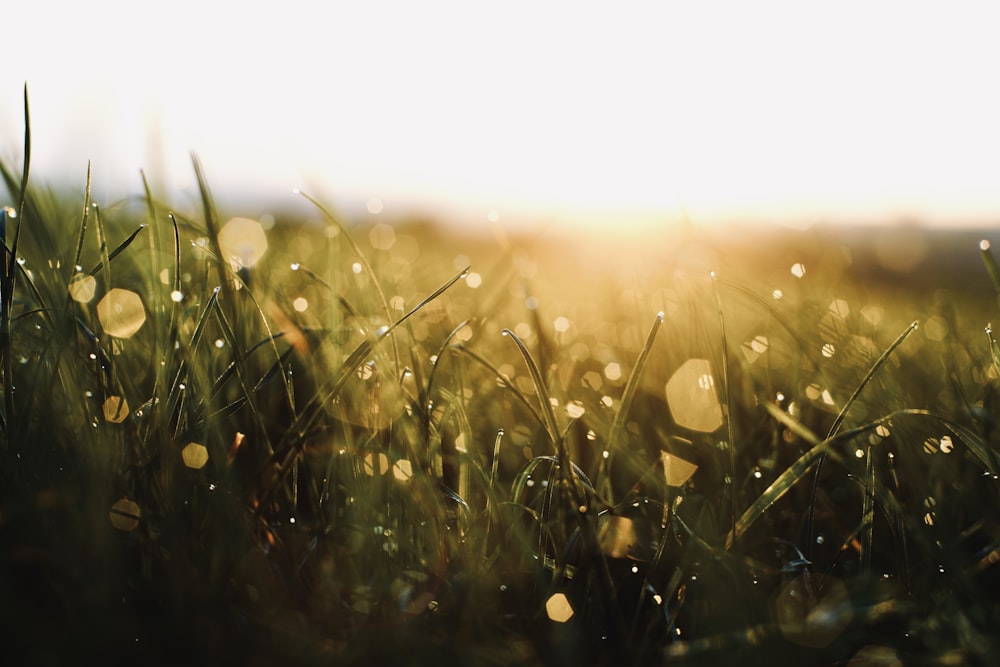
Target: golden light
{"points": [[125, 515], [194, 455], [121, 313], [743, 111], [82, 288], [692, 398], [376, 464], [402, 470], [617, 536], [115, 409], [243, 242], [558, 608], [676, 471], [813, 618]]}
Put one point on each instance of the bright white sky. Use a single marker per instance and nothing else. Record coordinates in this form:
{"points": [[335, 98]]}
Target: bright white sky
{"points": [[768, 111]]}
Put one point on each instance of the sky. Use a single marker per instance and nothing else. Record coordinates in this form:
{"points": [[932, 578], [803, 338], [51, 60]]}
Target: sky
{"points": [[786, 112]]}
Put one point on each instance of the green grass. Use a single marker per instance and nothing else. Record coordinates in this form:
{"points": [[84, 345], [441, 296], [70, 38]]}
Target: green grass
{"points": [[411, 465]]}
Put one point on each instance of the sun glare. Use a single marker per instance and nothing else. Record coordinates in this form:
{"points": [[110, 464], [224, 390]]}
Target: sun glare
{"points": [[655, 113]]}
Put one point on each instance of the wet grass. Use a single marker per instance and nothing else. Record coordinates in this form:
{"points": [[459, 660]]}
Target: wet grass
{"points": [[348, 447]]}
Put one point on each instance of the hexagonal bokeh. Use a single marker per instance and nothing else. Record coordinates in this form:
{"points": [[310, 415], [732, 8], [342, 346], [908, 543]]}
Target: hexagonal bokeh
{"points": [[121, 313], [125, 515], [676, 471], [82, 288], [243, 242], [115, 409], [811, 618], [194, 455], [617, 536], [558, 608], [692, 399]]}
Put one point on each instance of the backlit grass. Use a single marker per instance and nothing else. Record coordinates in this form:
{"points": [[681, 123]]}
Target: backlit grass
{"points": [[311, 441]]}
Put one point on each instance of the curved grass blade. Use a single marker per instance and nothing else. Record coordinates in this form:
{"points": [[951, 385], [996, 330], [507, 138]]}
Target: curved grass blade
{"points": [[794, 473], [869, 375], [994, 348], [777, 317], [7, 280], [239, 361], [628, 395], [367, 267], [518, 394], [848, 404], [290, 445], [550, 423], [426, 391], [631, 385]]}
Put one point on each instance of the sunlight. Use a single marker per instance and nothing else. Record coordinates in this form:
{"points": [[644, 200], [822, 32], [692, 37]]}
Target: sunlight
{"points": [[654, 114]]}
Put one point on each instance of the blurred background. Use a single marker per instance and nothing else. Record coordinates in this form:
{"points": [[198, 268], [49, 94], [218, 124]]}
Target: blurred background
{"points": [[572, 115]]}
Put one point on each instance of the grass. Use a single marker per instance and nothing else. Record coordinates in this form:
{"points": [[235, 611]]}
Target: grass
{"points": [[352, 450]]}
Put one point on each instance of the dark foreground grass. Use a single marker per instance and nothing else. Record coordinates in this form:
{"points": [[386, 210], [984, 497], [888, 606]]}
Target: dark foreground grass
{"points": [[351, 450]]}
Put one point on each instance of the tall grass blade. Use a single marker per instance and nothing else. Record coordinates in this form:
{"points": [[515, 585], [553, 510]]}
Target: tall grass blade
{"points": [[9, 277], [842, 415], [518, 394], [551, 425], [730, 430], [27, 164], [628, 395], [990, 263], [212, 228], [365, 264], [84, 215], [869, 375], [288, 448]]}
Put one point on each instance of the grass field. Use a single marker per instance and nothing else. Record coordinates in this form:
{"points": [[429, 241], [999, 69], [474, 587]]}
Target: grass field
{"points": [[230, 438]]}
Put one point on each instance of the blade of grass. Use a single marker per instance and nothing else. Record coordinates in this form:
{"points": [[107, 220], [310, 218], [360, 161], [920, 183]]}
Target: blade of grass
{"points": [[110, 256], [841, 416], [289, 447], [212, 228], [617, 426], [84, 215], [366, 265], [728, 401], [990, 263], [8, 279], [549, 417]]}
